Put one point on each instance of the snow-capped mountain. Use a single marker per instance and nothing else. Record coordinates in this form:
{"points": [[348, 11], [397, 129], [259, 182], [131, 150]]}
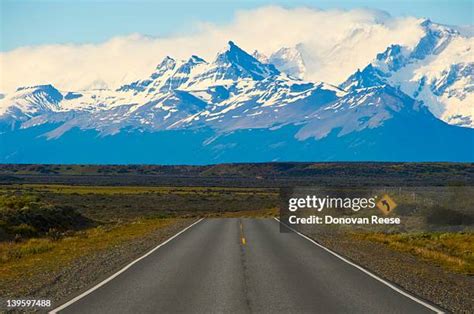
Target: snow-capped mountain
{"points": [[234, 91], [260, 57], [35, 100], [236, 107], [289, 61], [438, 70]]}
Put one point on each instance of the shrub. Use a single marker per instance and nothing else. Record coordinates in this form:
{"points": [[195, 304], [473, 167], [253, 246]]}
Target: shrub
{"points": [[26, 216], [447, 217], [24, 230]]}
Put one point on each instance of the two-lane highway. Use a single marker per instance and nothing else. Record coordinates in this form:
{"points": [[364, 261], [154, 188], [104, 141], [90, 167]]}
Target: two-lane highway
{"points": [[243, 266]]}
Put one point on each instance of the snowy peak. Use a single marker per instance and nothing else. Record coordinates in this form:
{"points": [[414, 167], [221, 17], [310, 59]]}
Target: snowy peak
{"points": [[192, 62], [196, 60], [289, 61], [229, 67], [181, 76], [436, 38], [368, 77], [438, 70], [168, 75], [363, 109], [260, 57], [235, 62], [33, 100], [392, 58], [41, 90], [239, 91], [166, 66], [168, 63]]}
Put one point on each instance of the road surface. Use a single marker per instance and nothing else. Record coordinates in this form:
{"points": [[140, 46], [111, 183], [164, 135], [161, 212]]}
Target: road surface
{"points": [[243, 266]]}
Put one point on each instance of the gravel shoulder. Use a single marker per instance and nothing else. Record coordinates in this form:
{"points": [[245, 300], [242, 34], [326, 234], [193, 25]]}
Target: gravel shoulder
{"points": [[451, 291], [85, 272]]}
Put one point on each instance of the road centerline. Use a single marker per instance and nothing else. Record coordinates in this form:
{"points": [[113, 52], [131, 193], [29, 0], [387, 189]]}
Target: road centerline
{"points": [[242, 235]]}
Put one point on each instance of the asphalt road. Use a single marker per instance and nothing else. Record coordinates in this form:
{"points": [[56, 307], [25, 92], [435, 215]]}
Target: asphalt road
{"points": [[243, 266]]}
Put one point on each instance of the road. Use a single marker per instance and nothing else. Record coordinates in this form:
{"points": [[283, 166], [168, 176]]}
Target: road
{"points": [[243, 266]]}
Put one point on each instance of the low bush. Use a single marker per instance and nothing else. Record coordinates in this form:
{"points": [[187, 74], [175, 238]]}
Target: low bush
{"points": [[26, 216], [441, 216]]}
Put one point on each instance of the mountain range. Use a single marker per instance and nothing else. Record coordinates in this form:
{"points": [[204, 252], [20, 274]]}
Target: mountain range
{"points": [[243, 107]]}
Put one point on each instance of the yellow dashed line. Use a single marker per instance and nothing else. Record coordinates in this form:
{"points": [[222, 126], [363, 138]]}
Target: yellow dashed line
{"points": [[242, 238]]}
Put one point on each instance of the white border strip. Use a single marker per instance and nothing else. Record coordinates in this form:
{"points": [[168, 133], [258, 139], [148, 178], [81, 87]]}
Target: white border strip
{"points": [[65, 305], [390, 285]]}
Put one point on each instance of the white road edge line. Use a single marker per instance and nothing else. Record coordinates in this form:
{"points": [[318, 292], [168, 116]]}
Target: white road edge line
{"points": [[390, 285], [65, 305]]}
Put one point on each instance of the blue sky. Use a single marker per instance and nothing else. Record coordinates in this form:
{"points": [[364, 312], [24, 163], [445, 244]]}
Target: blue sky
{"points": [[68, 21]]}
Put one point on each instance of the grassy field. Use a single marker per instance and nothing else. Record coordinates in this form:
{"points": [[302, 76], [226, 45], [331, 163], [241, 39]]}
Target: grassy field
{"points": [[126, 190], [46, 254], [453, 251], [127, 203], [258, 213], [275, 174]]}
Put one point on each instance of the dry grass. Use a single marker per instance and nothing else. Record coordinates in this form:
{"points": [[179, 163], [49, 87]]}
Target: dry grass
{"points": [[112, 190], [44, 254], [453, 251], [261, 213]]}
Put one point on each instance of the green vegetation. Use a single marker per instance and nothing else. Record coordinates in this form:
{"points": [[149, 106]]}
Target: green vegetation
{"points": [[105, 204], [108, 190], [258, 213], [454, 251], [23, 258], [25, 216], [246, 175]]}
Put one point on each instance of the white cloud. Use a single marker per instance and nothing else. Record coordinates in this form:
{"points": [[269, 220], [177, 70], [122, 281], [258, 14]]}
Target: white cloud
{"points": [[335, 43]]}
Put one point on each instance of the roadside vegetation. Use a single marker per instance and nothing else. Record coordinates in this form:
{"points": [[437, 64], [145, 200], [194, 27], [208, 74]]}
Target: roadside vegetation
{"points": [[26, 216], [50, 254], [437, 225], [104, 204], [114, 190], [258, 213], [453, 251]]}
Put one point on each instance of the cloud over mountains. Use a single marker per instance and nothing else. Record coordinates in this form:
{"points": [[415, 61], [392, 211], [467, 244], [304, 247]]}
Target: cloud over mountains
{"points": [[334, 43]]}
